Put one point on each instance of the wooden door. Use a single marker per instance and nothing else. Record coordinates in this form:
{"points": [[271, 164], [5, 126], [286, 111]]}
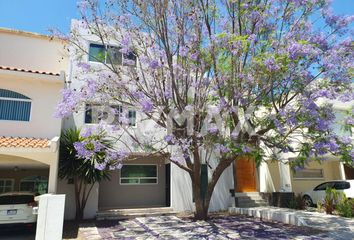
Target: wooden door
{"points": [[245, 169]]}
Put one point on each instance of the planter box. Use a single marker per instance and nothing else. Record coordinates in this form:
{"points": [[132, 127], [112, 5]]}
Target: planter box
{"points": [[278, 199]]}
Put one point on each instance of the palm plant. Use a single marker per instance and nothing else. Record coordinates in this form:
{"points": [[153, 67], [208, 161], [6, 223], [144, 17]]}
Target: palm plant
{"points": [[81, 171]]}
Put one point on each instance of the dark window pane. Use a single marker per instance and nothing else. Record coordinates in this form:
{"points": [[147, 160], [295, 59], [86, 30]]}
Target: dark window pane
{"points": [[114, 56], [341, 185], [309, 173], [130, 59], [130, 181], [132, 117], [15, 110], [117, 111], [139, 171], [144, 180], [97, 53], [88, 114]]}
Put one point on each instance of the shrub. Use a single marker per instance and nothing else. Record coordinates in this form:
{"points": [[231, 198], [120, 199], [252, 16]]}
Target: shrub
{"points": [[330, 201], [297, 203], [345, 208]]}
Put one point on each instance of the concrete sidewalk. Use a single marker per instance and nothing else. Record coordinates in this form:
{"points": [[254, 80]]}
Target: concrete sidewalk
{"points": [[339, 227]]}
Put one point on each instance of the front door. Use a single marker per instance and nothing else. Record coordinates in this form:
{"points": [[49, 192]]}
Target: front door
{"points": [[245, 175]]}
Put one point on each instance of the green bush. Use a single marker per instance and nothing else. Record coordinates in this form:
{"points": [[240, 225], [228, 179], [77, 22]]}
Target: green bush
{"points": [[330, 201], [345, 208]]}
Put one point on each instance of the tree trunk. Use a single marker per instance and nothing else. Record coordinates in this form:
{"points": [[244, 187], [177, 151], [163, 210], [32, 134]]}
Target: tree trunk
{"points": [[79, 214], [202, 205], [78, 211]]}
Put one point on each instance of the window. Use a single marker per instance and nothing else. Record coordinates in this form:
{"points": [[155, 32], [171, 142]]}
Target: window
{"points": [[37, 184], [339, 127], [94, 113], [308, 173], [6, 185], [14, 106], [324, 186], [138, 174], [341, 185], [110, 55]]}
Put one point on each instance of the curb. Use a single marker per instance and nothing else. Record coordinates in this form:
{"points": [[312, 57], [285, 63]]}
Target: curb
{"points": [[275, 215]]}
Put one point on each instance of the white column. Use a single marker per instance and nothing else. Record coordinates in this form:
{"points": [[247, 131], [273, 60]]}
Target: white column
{"points": [[50, 217], [341, 171], [285, 177], [53, 174]]}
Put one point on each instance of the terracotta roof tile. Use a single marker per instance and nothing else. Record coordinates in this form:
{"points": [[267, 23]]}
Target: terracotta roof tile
{"points": [[22, 142], [28, 70]]}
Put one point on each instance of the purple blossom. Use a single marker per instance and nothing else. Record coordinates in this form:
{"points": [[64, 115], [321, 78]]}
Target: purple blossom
{"points": [[146, 106], [168, 138], [345, 140], [271, 65], [246, 149], [183, 51], [213, 129], [194, 56], [349, 121], [84, 66], [82, 151], [154, 64], [221, 148], [87, 132], [100, 166], [68, 104]]}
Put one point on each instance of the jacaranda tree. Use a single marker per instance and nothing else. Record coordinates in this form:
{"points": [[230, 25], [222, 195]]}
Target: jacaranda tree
{"points": [[223, 78]]}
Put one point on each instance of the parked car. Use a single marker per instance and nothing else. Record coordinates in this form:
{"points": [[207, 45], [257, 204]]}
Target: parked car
{"points": [[319, 192], [16, 208]]}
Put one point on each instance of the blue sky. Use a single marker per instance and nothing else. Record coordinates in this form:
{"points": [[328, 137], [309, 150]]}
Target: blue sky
{"points": [[41, 15]]}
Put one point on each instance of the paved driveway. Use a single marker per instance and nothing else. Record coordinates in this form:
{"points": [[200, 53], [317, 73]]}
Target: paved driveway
{"points": [[170, 227]]}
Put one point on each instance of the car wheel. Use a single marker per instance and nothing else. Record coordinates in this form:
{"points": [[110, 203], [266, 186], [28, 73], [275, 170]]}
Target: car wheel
{"points": [[307, 201]]}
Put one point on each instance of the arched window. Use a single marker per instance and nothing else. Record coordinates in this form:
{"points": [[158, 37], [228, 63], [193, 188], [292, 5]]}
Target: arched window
{"points": [[14, 106]]}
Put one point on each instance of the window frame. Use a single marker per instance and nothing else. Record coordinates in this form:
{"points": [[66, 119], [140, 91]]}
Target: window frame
{"points": [[3, 186], [139, 184], [40, 179], [106, 47], [23, 99], [111, 106], [309, 178]]}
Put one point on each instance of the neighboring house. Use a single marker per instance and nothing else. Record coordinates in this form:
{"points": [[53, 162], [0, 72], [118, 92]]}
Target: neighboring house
{"points": [[31, 78], [281, 178]]}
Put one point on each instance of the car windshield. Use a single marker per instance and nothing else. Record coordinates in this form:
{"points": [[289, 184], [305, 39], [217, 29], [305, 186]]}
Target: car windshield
{"points": [[16, 199]]}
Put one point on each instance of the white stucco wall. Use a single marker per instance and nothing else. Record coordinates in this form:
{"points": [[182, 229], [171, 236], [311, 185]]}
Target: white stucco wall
{"points": [[181, 190], [32, 51], [37, 53], [45, 95], [70, 207]]}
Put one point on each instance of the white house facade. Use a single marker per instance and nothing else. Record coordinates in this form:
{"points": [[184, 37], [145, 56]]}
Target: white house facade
{"points": [[31, 77]]}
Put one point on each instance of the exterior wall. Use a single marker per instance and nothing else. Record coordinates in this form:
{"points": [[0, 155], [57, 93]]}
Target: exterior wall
{"points": [[331, 171], [70, 207], [114, 195], [181, 190], [44, 95], [32, 51], [269, 177]]}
